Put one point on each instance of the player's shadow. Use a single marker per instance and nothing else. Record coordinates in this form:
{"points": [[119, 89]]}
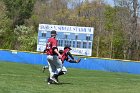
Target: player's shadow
{"points": [[63, 83]]}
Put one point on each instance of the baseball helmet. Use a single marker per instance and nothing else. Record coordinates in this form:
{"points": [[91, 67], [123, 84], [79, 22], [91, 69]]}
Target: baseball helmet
{"points": [[67, 46], [53, 32]]}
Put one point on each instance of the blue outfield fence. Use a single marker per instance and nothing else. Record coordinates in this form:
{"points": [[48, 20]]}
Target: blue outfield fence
{"points": [[86, 63], [22, 57]]}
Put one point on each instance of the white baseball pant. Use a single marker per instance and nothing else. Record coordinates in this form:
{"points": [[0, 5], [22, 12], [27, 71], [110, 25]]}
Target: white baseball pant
{"points": [[55, 65]]}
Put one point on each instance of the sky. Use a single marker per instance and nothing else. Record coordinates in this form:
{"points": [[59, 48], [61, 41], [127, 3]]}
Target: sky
{"points": [[111, 2]]}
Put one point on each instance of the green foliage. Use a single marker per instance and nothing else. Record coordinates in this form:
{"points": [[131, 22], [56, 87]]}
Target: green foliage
{"points": [[4, 19], [26, 38], [5, 30], [118, 42], [19, 10], [114, 28], [110, 15]]}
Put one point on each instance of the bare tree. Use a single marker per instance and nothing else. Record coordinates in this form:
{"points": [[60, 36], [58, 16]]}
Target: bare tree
{"points": [[130, 26]]}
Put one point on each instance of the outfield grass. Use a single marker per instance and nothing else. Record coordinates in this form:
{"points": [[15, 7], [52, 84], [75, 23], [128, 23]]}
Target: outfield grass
{"points": [[27, 78]]}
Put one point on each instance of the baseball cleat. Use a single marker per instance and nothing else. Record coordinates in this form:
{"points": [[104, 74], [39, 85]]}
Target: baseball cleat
{"points": [[49, 81], [53, 79], [43, 69]]}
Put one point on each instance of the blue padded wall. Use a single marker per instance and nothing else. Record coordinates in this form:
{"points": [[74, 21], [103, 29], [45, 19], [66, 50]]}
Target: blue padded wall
{"points": [[107, 65], [86, 63], [24, 57]]}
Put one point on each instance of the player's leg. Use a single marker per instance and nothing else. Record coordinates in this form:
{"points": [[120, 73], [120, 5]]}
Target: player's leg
{"points": [[63, 71], [44, 68], [58, 64], [52, 69]]}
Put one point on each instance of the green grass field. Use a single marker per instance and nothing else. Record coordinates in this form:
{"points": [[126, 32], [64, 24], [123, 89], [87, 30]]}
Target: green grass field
{"points": [[27, 78]]}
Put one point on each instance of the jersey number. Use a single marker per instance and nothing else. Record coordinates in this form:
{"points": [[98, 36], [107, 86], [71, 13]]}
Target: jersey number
{"points": [[48, 45]]}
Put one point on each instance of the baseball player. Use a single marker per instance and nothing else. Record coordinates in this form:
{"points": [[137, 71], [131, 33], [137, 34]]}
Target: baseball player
{"points": [[53, 57], [66, 56]]}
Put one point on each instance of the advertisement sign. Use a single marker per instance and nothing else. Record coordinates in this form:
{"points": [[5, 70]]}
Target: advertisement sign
{"points": [[80, 38]]}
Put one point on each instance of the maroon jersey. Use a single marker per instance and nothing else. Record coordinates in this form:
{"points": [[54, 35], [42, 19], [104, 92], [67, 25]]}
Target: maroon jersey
{"points": [[65, 55], [51, 43]]}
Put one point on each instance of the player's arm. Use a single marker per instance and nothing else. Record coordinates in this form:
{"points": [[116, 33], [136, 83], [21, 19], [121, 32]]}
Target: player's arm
{"points": [[55, 49], [73, 61], [70, 55]]}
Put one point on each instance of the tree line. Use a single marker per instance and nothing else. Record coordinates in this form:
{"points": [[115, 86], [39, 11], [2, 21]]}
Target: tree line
{"points": [[117, 27]]}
